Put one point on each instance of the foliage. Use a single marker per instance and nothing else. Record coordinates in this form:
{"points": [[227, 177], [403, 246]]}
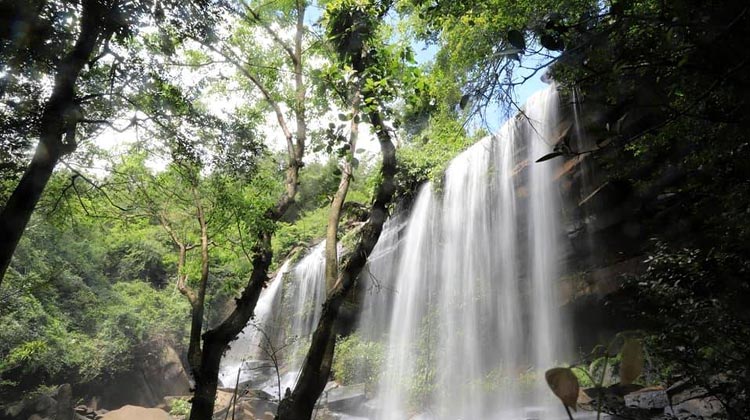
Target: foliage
{"points": [[180, 408], [491, 47], [426, 157], [564, 384], [357, 360], [305, 230], [66, 322], [693, 303]]}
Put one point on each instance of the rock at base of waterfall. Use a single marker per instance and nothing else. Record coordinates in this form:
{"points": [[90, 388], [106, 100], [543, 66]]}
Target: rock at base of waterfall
{"points": [[647, 398], [134, 412], [271, 386], [261, 402], [222, 402], [346, 398], [250, 405], [691, 402], [699, 408], [252, 374], [55, 404], [90, 413]]}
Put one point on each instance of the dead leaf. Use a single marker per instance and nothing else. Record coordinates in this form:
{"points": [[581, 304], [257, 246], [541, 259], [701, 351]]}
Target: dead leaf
{"points": [[631, 365], [564, 384]]}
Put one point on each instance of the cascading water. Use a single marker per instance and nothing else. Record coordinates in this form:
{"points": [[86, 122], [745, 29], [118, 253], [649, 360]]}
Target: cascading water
{"points": [[285, 316], [473, 316], [381, 268], [251, 341], [306, 295]]}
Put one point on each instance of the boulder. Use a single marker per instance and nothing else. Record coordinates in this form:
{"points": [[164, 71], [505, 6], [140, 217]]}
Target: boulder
{"points": [[647, 399], [65, 403], [46, 406], [223, 399], [160, 373], [692, 402], [260, 402], [132, 412], [698, 408], [346, 398]]}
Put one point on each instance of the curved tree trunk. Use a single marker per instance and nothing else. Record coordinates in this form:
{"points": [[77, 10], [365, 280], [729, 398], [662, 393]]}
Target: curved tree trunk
{"points": [[300, 403], [334, 214], [58, 122], [216, 341]]}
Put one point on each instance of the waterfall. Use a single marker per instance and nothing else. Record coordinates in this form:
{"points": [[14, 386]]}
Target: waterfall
{"points": [[473, 320], [251, 341], [286, 314], [306, 295], [461, 291]]}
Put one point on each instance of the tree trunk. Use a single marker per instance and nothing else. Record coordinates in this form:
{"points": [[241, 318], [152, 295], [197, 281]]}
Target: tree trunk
{"points": [[317, 368], [216, 341], [334, 214], [197, 305], [207, 377], [56, 120]]}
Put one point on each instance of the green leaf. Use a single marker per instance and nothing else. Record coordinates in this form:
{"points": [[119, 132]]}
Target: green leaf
{"points": [[549, 156], [564, 384], [552, 43], [517, 39], [464, 101], [631, 365]]}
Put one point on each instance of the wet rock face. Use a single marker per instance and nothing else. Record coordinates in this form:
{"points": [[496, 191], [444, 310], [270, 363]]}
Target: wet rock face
{"points": [[647, 399], [688, 403]]}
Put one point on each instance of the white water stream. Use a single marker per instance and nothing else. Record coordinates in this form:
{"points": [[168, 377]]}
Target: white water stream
{"points": [[474, 322]]}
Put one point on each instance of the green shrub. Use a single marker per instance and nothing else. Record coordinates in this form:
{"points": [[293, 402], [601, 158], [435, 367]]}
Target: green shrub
{"points": [[180, 408], [358, 361]]}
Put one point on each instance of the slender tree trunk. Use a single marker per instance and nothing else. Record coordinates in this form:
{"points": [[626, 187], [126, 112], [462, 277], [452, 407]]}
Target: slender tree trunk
{"points": [[57, 119], [317, 368], [334, 214], [197, 303]]}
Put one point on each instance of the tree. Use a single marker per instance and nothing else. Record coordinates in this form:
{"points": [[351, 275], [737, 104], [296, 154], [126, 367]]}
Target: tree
{"points": [[241, 56], [78, 53], [352, 27]]}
